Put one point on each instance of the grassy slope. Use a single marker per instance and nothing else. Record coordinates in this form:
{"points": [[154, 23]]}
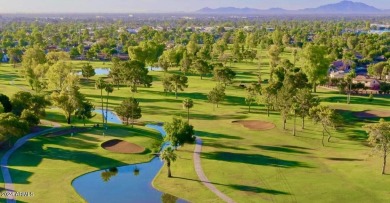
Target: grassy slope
{"points": [[255, 166]]}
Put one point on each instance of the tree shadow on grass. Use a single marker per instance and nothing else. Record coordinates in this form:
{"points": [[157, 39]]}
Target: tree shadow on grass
{"points": [[245, 188], [356, 100], [280, 149], [217, 117], [20, 176], [255, 189], [296, 147], [215, 135], [255, 159], [343, 159], [219, 146], [32, 154]]}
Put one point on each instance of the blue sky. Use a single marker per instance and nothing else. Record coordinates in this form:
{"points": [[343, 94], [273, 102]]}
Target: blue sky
{"points": [[54, 6]]}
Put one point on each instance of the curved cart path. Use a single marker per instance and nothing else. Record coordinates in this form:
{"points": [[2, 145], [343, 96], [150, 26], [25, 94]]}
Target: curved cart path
{"points": [[202, 176], [9, 186]]}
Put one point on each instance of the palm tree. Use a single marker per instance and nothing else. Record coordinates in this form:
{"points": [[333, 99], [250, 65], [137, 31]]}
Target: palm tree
{"points": [[168, 155], [109, 88], [187, 104], [100, 84]]}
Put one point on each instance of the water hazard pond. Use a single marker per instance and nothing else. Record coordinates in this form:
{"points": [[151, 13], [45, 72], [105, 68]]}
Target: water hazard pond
{"points": [[131, 183]]}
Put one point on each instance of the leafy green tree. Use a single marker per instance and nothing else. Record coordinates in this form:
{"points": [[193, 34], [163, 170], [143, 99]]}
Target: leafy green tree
{"points": [[69, 100], [87, 71], [26, 101], [168, 156], [224, 75], [11, 127], [109, 88], [202, 67], [315, 64], [167, 85], [179, 132], [179, 82], [185, 63], [379, 138], [134, 73], [348, 79], [100, 84], [15, 56], [326, 117], [163, 63], [216, 95], [192, 48], [73, 53], [376, 70], [58, 72], [253, 93], [85, 110], [115, 71], [284, 103], [188, 104], [6, 103], [31, 118], [305, 101], [129, 108], [274, 55], [32, 57], [1, 108], [53, 57]]}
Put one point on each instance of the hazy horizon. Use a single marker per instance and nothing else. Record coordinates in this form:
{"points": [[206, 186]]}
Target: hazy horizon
{"points": [[144, 6]]}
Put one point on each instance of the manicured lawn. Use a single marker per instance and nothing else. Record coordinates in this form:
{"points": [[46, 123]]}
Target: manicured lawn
{"points": [[47, 166], [249, 166]]}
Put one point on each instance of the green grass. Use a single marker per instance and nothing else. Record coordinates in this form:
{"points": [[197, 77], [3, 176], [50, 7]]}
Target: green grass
{"points": [[47, 166], [249, 166]]}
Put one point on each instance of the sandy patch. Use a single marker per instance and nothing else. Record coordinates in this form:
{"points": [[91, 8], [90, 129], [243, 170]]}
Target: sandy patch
{"points": [[255, 125], [120, 146]]}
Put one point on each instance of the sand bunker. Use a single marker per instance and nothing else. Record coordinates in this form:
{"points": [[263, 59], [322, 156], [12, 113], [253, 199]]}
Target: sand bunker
{"points": [[120, 146], [373, 114], [255, 125]]}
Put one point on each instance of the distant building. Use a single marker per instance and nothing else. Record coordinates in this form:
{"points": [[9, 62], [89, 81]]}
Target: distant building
{"points": [[368, 82], [340, 65], [337, 74]]}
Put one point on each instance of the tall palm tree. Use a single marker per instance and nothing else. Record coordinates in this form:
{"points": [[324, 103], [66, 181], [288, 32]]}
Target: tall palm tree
{"points": [[100, 84], [187, 104], [168, 156], [109, 88]]}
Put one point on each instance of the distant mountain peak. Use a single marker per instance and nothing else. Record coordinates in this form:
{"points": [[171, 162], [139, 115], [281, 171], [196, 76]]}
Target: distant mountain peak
{"points": [[345, 6], [342, 7]]}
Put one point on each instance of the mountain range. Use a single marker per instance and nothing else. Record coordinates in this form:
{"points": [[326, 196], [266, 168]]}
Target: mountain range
{"points": [[343, 7]]}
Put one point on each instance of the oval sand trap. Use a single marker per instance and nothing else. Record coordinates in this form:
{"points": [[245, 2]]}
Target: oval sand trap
{"points": [[120, 146], [372, 114], [255, 125]]}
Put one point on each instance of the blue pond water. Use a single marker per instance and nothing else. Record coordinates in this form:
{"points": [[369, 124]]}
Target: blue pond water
{"points": [[99, 71], [124, 184], [112, 117]]}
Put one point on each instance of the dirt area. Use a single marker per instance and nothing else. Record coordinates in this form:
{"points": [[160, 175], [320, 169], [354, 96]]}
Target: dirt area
{"points": [[255, 125], [121, 146], [373, 114]]}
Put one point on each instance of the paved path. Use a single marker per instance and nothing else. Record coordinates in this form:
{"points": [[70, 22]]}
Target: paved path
{"points": [[202, 176], [9, 187]]}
